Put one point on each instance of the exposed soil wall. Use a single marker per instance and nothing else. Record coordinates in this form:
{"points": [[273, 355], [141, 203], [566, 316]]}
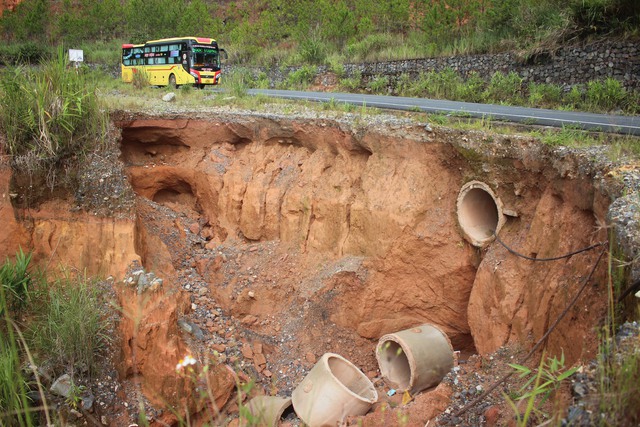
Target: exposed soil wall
{"points": [[388, 196], [281, 238]]}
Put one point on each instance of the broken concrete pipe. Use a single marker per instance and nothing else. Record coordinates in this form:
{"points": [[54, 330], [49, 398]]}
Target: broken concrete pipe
{"points": [[267, 410], [333, 390], [479, 213], [415, 359]]}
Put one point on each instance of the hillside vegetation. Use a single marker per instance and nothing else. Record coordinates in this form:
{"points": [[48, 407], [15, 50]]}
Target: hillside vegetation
{"points": [[293, 32]]}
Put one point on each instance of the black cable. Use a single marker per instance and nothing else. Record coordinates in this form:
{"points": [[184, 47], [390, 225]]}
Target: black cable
{"points": [[495, 385], [546, 259], [635, 286]]}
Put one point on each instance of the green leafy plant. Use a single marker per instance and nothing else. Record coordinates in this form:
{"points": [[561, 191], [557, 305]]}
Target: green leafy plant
{"points": [[540, 384], [379, 84], [74, 399], [504, 88]]}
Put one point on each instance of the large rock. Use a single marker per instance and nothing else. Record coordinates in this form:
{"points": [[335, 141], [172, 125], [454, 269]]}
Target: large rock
{"points": [[516, 300]]}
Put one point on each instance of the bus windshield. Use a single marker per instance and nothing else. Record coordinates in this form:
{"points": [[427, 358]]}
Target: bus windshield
{"points": [[205, 58]]}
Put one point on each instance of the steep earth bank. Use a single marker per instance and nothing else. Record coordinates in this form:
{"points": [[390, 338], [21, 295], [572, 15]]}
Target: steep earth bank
{"points": [[292, 236]]}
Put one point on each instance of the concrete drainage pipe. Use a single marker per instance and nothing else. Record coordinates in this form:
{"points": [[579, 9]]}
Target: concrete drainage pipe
{"points": [[268, 410], [479, 213], [333, 390], [415, 359]]}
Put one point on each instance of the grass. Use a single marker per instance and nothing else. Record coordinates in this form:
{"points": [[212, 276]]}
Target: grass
{"points": [[51, 118], [70, 326], [14, 403], [64, 329]]}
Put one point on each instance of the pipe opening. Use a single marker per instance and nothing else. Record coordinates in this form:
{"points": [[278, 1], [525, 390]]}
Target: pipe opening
{"points": [[415, 359], [394, 364], [479, 213], [352, 378]]}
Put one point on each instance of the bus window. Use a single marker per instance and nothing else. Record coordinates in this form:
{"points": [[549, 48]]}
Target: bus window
{"points": [[205, 57]]}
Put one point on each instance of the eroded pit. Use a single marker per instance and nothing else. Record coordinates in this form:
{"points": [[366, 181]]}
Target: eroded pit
{"points": [[372, 230], [295, 237]]}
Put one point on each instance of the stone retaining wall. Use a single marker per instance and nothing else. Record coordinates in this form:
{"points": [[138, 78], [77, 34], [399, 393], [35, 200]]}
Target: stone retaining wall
{"points": [[567, 66]]}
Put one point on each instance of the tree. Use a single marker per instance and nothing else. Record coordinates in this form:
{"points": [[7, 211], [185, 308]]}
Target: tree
{"points": [[27, 22], [196, 20]]}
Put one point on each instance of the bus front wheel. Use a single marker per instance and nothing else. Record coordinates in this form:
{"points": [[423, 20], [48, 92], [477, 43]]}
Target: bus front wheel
{"points": [[172, 81]]}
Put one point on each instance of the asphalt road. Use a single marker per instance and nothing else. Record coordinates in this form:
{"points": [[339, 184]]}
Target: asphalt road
{"points": [[533, 116]]}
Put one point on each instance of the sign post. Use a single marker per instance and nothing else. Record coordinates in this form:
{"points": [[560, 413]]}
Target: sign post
{"points": [[76, 56]]}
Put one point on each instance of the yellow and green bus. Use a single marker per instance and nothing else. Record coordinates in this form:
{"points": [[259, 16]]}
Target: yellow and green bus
{"points": [[174, 61]]}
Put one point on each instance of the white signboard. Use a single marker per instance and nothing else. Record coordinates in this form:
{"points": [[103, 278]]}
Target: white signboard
{"points": [[76, 55]]}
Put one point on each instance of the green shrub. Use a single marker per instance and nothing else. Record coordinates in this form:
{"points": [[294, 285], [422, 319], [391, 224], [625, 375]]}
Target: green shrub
{"points": [[352, 83], [472, 89], [365, 49], [263, 81], [238, 81], [444, 84], [574, 98], [140, 79], [23, 53], [301, 77]]}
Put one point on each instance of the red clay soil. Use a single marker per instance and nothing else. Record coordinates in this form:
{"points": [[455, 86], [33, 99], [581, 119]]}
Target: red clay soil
{"points": [[290, 238]]}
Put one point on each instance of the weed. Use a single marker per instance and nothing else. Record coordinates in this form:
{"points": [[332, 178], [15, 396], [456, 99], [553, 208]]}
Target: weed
{"points": [[15, 280], [379, 84], [74, 399], [238, 82], [14, 287], [542, 382], [352, 83], [606, 95], [140, 79], [301, 77], [544, 95], [505, 89], [71, 328]]}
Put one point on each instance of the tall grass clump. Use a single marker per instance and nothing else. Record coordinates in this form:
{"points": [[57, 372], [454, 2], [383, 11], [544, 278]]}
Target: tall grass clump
{"points": [[238, 81], [605, 95], [15, 280], [544, 95], [70, 329], [14, 287], [300, 78], [505, 89], [51, 116]]}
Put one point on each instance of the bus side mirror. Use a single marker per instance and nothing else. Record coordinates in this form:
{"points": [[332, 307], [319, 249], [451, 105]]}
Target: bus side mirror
{"points": [[223, 54]]}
